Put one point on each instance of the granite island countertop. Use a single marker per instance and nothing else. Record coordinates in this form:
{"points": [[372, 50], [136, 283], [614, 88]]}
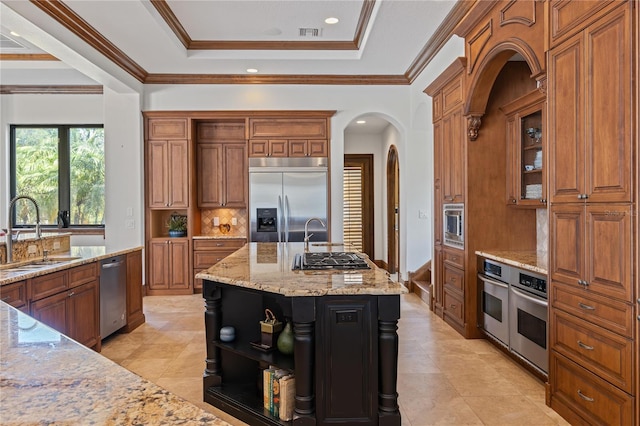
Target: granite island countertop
{"points": [[268, 267], [78, 255], [47, 378], [534, 261]]}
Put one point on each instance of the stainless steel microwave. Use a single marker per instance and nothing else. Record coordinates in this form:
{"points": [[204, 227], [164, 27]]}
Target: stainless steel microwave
{"points": [[453, 225]]}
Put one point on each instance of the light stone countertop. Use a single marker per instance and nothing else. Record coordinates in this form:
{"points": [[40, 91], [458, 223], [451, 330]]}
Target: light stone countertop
{"points": [[267, 267], [219, 237], [47, 378], [83, 255], [534, 261]]}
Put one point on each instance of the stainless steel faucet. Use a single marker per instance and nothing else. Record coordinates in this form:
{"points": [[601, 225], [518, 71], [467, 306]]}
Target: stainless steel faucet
{"points": [[9, 237], [307, 236]]}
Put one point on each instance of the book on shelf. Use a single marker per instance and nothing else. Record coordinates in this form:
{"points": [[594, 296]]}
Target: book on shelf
{"points": [[278, 384]]}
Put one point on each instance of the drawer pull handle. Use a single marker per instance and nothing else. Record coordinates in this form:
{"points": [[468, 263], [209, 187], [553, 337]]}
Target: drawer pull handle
{"points": [[586, 307], [72, 293], [452, 306], [583, 346], [219, 244], [585, 397]]}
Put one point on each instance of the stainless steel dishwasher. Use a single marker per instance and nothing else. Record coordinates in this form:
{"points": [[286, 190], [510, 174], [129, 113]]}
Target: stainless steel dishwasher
{"points": [[113, 295]]}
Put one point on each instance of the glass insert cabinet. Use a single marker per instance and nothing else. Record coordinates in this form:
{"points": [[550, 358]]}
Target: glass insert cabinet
{"points": [[526, 142]]}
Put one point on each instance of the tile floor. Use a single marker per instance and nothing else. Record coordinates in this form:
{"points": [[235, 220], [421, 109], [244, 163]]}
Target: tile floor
{"points": [[443, 379]]}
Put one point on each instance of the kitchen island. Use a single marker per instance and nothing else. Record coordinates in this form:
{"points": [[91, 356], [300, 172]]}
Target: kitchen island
{"points": [[344, 329]]}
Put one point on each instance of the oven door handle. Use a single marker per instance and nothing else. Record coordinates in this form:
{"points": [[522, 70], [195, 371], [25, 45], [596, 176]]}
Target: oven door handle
{"points": [[529, 298], [485, 278]]}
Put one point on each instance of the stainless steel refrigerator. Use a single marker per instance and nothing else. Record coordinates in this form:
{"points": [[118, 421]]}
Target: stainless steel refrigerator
{"points": [[283, 194]]}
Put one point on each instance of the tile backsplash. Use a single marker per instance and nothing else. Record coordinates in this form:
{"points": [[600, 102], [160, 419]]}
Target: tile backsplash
{"points": [[225, 216], [542, 230]]}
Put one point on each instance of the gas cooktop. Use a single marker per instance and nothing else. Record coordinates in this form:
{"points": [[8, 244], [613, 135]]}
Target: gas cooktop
{"points": [[333, 260]]}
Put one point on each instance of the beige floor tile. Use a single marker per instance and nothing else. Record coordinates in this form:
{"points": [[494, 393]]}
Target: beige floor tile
{"points": [[508, 410]]}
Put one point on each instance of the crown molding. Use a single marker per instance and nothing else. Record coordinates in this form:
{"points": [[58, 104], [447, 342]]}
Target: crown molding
{"points": [[27, 57], [78, 26], [276, 79], [50, 90]]}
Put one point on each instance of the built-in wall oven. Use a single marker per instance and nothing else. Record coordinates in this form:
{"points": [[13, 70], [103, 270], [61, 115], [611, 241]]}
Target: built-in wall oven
{"points": [[494, 281], [528, 318]]}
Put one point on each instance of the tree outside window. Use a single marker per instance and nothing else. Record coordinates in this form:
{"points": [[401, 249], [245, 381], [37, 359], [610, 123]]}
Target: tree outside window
{"points": [[62, 168]]}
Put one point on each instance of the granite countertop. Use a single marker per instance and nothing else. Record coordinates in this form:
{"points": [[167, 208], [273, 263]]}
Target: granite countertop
{"points": [[267, 267], [219, 237], [47, 378], [78, 255], [534, 261]]}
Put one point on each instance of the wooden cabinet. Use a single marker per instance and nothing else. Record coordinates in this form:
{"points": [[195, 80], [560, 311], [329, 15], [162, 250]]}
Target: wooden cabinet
{"points": [[288, 148], [453, 288], [135, 313], [222, 175], [169, 266], [592, 219], [208, 252], [590, 130], [526, 182], [168, 174], [167, 128], [592, 248], [288, 137], [15, 294], [438, 291], [69, 301]]}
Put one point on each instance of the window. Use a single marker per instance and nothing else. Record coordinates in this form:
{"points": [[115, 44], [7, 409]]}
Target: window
{"points": [[62, 168], [352, 213]]}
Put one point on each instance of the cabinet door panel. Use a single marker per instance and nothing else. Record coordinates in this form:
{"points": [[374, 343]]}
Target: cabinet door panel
{"points": [[566, 122], [209, 175], [608, 97], [278, 148], [52, 311], [567, 243], [179, 269], [235, 179], [179, 174], [318, 148], [159, 268], [84, 321], [258, 148], [437, 182], [157, 175], [298, 148], [453, 157], [609, 251]]}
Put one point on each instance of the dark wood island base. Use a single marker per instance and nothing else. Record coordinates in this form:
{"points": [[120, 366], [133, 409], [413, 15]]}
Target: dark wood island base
{"points": [[345, 356]]}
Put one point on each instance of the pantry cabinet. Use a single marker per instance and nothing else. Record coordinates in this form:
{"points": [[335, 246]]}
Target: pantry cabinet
{"points": [[590, 86]]}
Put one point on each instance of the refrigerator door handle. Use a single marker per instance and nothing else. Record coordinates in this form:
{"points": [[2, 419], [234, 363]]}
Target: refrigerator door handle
{"points": [[279, 229], [286, 218]]}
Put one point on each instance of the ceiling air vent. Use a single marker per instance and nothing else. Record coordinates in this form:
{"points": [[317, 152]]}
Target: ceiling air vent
{"points": [[309, 32]]}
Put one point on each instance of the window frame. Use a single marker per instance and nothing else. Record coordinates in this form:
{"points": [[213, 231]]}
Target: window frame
{"points": [[64, 170]]}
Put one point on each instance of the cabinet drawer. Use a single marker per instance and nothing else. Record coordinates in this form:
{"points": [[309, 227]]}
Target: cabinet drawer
{"points": [[15, 294], [221, 244], [577, 392], [49, 284], [611, 314], [600, 351], [453, 277], [453, 306], [82, 274], [206, 259], [454, 257]]}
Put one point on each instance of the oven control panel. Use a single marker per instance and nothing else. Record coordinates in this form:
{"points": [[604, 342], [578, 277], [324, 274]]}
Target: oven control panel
{"points": [[535, 284]]}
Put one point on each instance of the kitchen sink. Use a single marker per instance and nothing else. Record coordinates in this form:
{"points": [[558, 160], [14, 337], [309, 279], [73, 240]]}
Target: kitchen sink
{"points": [[36, 264]]}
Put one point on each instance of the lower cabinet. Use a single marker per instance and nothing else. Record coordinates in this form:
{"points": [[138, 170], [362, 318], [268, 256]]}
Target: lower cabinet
{"points": [[15, 294], [74, 311], [450, 288], [135, 314], [208, 252], [169, 267]]}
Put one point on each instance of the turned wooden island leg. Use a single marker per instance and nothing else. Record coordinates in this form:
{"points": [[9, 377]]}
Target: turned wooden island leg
{"points": [[213, 322], [304, 358], [388, 315]]}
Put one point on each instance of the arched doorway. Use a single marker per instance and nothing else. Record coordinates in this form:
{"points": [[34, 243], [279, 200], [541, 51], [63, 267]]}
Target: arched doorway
{"points": [[393, 211]]}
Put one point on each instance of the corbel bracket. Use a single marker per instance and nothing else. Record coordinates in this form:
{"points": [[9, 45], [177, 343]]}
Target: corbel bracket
{"points": [[473, 126]]}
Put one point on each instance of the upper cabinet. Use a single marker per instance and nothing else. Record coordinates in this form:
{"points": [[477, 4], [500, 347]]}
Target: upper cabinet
{"points": [[525, 150], [288, 137], [168, 174], [168, 128], [221, 153], [589, 92]]}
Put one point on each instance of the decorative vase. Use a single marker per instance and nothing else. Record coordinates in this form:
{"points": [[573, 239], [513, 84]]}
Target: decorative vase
{"points": [[173, 233], [285, 340]]}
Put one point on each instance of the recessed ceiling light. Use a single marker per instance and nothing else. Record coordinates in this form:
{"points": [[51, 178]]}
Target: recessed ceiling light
{"points": [[361, 121], [252, 70], [331, 20], [13, 33]]}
